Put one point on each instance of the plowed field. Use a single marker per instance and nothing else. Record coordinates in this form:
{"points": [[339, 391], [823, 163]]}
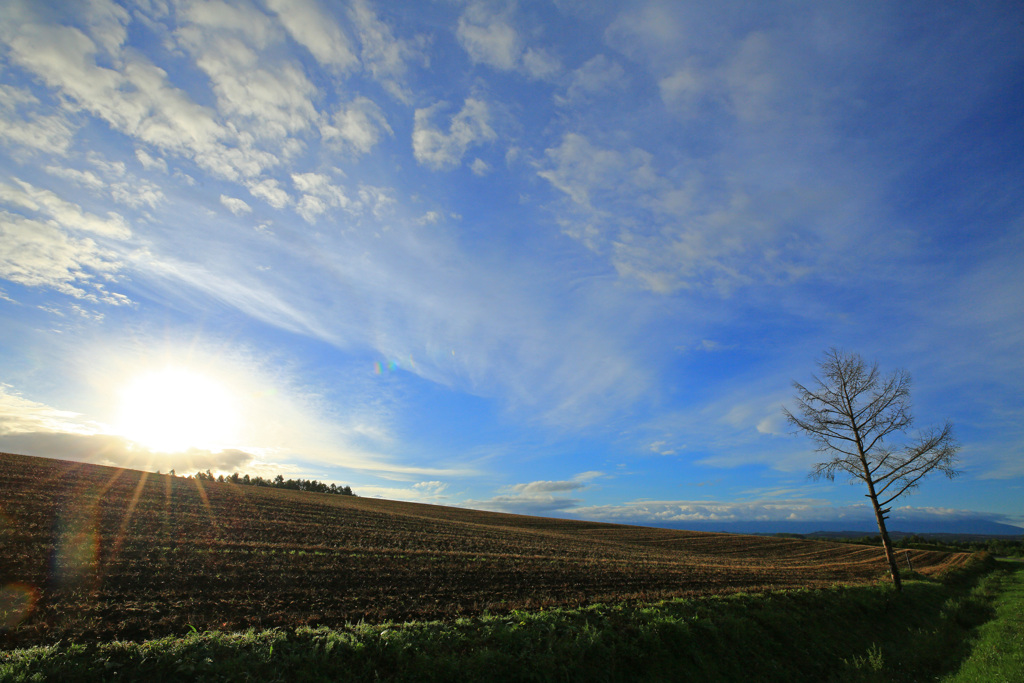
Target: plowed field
{"points": [[90, 552]]}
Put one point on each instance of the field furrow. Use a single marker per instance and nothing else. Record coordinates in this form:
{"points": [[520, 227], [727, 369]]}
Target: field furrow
{"points": [[91, 552]]}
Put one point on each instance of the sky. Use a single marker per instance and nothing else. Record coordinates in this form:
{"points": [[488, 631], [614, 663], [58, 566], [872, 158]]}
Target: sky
{"points": [[558, 258]]}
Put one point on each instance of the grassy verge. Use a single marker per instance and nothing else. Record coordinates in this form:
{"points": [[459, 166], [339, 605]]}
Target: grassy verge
{"points": [[998, 653], [861, 633]]}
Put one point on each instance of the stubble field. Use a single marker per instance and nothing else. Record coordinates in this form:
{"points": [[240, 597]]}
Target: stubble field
{"points": [[97, 553]]}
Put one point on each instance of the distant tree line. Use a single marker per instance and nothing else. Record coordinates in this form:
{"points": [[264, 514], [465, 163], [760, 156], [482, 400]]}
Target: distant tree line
{"points": [[1003, 547], [278, 482]]}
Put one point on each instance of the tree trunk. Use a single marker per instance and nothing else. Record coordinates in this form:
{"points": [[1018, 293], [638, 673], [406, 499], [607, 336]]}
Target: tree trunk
{"points": [[890, 556]]}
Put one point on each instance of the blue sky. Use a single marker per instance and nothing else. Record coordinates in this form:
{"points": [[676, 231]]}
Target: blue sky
{"points": [[558, 258]]}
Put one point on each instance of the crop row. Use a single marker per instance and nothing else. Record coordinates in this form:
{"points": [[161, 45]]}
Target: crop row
{"points": [[96, 552]]}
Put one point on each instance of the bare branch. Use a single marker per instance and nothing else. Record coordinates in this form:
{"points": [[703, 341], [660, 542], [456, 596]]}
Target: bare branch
{"points": [[934, 451], [886, 455], [852, 413]]}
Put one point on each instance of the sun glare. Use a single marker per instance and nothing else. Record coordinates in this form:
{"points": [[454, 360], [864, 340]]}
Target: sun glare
{"points": [[175, 409]]}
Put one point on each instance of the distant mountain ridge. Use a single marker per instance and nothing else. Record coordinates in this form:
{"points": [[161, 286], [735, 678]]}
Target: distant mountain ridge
{"points": [[969, 529], [897, 535]]}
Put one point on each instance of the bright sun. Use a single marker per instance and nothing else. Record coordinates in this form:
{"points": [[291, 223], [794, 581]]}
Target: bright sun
{"points": [[175, 409]]}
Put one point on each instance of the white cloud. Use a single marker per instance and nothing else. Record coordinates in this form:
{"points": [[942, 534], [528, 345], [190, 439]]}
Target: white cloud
{"points": [[655, 30], [357, 125], [855, 517], [488, 39], [582, 170], [150, 163], [383, 55], [431, 488], [136, 99], [309, 26], [538, 497], [773, 425], [468, 128], [269, 101], [535, 488], [675, 512], [540, 505], [683, 89], [137, 193], [249, 295], [39, 254], [670, 230], [541, 64], [743, 82], [377, 200], [167, 122], [235, 205], [62, 212], [318, 195], [712, 346], [597, 76], [480, 167], [84, 178], [23, 123], [430, 492], [311, 207], [241, 19], [270, 191], [318, 184], [110, 169], [752, 79], [659, 448], [107, 23], [184, 177], [133, 192], [20, 415], [429, 218]]}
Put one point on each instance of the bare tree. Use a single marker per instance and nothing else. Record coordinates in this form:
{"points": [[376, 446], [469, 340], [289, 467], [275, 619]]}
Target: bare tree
{"points": [[853, 413]]}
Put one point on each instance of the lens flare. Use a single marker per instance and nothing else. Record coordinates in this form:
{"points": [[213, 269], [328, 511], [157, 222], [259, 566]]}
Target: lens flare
{"points": [[126, 520], [76, 555], [381, 367], [16, 603]]}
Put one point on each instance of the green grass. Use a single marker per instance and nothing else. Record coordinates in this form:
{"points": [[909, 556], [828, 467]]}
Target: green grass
{"points": [[998, 653], [846, 633]]}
